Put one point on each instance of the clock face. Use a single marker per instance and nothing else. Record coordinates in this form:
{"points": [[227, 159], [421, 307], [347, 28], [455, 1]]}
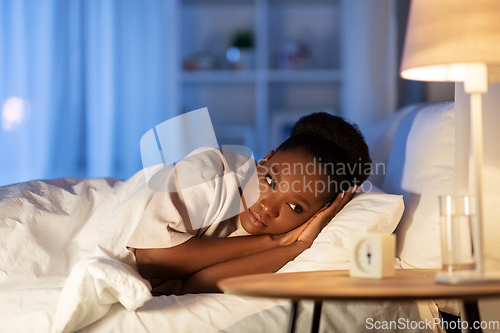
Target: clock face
{"points": [[365, 255]]}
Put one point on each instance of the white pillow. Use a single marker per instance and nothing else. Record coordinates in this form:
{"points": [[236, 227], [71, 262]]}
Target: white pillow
{"points": [[371, 211], [428, 153], [380, 137]]}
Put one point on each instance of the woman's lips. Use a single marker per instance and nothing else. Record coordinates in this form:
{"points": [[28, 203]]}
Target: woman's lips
{"points": [[256, 220]]}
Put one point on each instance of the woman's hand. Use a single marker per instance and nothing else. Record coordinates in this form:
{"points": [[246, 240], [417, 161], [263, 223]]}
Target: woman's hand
{"points": [[309, 230], [313, 226], [270, 260], [291, 236]]}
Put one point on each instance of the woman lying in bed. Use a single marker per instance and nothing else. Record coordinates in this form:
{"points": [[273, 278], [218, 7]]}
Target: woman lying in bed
{"points": [[301, 186]]}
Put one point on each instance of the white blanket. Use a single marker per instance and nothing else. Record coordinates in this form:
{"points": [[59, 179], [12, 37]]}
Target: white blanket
{"points": [[71, 233], [64, 266]]}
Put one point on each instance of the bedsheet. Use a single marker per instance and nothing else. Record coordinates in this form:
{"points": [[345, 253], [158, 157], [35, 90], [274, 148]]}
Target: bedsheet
{"points": [[64, 267]]}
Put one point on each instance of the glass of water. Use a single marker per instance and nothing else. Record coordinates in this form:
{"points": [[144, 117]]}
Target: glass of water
{"points": [[457, 219]]}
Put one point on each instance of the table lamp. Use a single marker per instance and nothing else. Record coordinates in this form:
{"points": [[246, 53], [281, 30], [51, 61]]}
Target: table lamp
{"points": [[458, 40]]}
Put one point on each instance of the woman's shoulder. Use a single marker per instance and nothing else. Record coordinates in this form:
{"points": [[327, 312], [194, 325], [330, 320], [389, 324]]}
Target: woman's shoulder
{"points": [[202, 164], [211, 163]]}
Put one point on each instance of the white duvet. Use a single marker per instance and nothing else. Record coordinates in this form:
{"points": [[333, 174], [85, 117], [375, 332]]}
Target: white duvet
{"points": [[64, 267]]}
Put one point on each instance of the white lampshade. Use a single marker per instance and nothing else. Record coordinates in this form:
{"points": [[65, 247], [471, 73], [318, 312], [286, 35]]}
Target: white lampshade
{"points": [[443, 36]]}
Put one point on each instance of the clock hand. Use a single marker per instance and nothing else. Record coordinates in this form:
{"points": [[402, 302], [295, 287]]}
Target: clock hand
{"points": [[369, 254]]}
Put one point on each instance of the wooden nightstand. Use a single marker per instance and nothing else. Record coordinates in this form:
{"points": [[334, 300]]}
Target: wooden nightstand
{"points": [[337, 285]]}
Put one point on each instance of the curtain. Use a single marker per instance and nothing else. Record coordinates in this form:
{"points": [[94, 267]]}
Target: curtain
{"points": [[80, 82]]}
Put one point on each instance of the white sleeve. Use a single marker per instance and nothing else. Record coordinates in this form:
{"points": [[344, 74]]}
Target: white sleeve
{"points": [[201, 191], [172, 215]]}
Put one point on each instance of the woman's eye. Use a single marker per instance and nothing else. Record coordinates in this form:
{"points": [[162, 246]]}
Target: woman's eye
{"points": [[296, 208], [270, 180]]}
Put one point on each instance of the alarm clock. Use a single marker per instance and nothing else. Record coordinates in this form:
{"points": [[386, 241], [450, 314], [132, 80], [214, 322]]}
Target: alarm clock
{"points": [[372, 255]]}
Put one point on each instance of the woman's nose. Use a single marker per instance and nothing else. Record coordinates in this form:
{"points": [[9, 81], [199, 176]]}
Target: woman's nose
{"points": [[269, 207]]}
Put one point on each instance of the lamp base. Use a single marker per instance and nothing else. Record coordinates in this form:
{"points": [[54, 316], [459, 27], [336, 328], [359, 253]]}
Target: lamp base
{"points": [[467, 277]]}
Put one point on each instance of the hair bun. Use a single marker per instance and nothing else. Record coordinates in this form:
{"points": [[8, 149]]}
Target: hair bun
{"points": [[341, 133]]}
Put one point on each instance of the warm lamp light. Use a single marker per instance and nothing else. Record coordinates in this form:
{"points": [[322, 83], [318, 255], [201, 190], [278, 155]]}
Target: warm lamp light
{"points": [[458, 40], [444, 36]]}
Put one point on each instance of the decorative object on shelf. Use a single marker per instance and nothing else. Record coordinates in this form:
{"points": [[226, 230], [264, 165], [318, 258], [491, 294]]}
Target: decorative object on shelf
{"points": [[241, 54], [458, 40], [294, 55], [372, 255], [200, 61], [283, 121]]}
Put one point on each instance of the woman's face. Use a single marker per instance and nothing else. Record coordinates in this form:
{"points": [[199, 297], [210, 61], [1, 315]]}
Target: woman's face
{"points": [[292, 190]]}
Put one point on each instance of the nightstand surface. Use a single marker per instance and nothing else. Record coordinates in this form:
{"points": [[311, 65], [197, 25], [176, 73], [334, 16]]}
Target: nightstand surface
{"points": [[338, 285]]}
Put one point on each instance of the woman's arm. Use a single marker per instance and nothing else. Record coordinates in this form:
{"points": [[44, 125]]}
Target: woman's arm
{"points": [[268, 261], [204, 259], [197, 253], [194, 255]]}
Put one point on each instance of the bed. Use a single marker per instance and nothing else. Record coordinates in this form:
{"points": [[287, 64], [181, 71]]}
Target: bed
{"points": [[64, 266]]}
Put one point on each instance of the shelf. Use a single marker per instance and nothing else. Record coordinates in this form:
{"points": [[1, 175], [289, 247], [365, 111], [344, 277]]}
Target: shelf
{"points": [[217, 2], [302, 2], [303, 95], [269, 2], [218, 76], [314, 75], [242, 102]]}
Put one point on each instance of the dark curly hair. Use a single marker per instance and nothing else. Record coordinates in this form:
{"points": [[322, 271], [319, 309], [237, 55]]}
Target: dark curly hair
{"points": [[337, 144]]}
